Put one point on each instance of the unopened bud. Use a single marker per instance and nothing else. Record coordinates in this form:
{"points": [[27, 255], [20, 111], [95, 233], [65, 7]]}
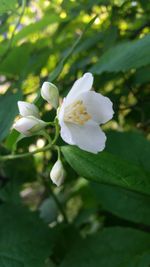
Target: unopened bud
{"points": [[29, 125], [50, 93], [58, 173], [28, 109]]}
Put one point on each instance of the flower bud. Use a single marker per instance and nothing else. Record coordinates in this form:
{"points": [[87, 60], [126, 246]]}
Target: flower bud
{"points": [[28, 109], [29, 125], [58, 173], [50, 93]]}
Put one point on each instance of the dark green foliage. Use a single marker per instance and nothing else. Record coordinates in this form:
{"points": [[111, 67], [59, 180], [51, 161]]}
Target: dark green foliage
{"points": [[113, 247], [101, 215], [8, 111], [25, 239]]}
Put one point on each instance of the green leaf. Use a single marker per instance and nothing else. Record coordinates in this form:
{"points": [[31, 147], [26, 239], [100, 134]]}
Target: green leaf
{"points": [[10, 65], [141, 76], [70, 51], [8, 5], [17, 174], [8, 111], [33, 28], [12, 140], [123, 203], [123, 57], [48, 210], [113, 247], [25, 239], [107, 169], [130, 146], [129, 205]]}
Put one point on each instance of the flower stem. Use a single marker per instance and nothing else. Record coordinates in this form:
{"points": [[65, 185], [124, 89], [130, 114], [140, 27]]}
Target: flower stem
{"points": [[58, 152], [54, 196], [14, 31], [50, 145], [59, 205], [47, 136], [23, 155], [50, 123], [56, 131]]}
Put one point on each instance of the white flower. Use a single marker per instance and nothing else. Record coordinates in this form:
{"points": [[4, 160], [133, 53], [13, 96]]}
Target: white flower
{"points": [[58, 173], [28, 109], [29, 125], [81, 113], [50, 93]]}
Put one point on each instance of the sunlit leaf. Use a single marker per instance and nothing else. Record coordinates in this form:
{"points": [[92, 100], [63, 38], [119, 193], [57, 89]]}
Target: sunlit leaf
{"points": [[6, 6], [123, 57]]}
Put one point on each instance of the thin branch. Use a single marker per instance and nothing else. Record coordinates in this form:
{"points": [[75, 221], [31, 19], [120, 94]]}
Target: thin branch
{"points": [[14, 31], [23, 155], [54, 196], [58, 203], [140, 29]]}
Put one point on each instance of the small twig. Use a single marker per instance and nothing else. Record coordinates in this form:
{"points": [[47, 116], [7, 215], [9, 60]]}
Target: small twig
{"points": [[141, 28], [128, 107], [23, 155], [53, 195], [28, 154], [14, 31], [58, 205]]}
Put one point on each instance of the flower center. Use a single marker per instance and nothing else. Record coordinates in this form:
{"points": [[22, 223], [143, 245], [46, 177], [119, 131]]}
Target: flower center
{"points": [[76, 113]]}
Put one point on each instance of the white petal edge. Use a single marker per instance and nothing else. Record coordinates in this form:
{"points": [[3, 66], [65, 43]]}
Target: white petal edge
{"points": [[64, 131], [81, 85], [66, 134], [88, 137], [98, 106], [23, 125], [26, 125], [28, 109]]}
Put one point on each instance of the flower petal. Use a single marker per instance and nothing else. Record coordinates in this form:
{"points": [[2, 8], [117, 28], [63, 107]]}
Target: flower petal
{"points": [[28, 109], [88, 137], [81, 85], [24, 124], [65, 132], [29, 125], [98, 106], [57, 173]]}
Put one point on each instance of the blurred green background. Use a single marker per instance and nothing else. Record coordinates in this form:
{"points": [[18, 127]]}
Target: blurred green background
{"points": [[58, 41]]}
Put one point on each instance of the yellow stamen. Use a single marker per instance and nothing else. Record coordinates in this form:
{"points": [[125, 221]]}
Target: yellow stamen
{"points": [[76, 113]]}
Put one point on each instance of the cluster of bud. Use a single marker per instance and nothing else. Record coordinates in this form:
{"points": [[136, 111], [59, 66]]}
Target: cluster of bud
{"points": [[30, 122]]}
